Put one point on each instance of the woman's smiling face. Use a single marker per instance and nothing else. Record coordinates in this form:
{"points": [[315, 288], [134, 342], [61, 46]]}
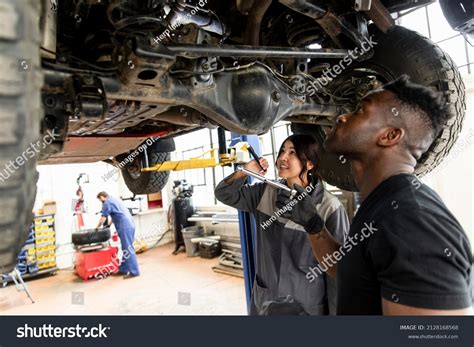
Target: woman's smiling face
{"points": [[288, 163]]}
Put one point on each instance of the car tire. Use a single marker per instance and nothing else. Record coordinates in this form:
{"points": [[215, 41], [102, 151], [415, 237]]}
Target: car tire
{"points": [[20, 118], [401, 51], [148, 182], [91, 236]]}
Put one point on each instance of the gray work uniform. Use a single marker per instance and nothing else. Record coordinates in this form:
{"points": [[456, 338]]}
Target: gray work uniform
{"points": [[283, 250]]}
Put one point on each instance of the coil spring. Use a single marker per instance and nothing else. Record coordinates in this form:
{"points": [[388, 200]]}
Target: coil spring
{"points": [[301, 34]]}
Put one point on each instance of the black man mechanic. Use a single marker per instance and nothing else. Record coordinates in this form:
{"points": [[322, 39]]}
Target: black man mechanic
{"points": [[406, 253]]}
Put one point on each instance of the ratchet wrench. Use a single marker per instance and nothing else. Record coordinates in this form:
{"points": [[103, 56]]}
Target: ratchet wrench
{"points": [[268, 181]]}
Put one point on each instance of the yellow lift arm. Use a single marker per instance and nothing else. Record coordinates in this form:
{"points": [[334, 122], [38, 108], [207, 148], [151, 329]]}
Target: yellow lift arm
{"points": [[235, 155]]}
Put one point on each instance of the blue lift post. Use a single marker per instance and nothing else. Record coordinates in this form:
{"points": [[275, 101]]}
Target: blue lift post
{"points": [[247, 227]]}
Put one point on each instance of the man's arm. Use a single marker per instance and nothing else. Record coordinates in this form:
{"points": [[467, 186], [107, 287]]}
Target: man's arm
{"points": [[304, 212], [393, 309], [105, 213], [332, 236], [101, 222], [324, 244]]}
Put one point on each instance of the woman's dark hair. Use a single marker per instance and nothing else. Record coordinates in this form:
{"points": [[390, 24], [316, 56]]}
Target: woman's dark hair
{"points": [[306, 149]]}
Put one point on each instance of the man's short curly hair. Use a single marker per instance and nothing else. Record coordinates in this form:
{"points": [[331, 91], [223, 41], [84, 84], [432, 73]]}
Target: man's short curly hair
{"points": [[421, 103]]}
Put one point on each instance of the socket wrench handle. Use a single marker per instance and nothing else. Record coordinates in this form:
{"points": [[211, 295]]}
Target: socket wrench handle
{"points": [[254, 154], [268, 181]]}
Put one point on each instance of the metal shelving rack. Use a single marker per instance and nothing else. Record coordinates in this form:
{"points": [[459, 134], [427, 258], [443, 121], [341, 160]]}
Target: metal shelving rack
{"points": [[41, 251], [45, 242]]}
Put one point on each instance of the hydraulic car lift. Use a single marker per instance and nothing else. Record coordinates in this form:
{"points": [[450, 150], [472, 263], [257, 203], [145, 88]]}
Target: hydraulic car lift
{"points": [[248, 229], [237, 153]]}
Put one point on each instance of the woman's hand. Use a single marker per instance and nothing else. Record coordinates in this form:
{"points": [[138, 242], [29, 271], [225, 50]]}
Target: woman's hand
{"points": [[253, 166], [300, 209]]}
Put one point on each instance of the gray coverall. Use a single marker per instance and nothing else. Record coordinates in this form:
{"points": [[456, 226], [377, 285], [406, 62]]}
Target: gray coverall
{"points": [[283, 250]]}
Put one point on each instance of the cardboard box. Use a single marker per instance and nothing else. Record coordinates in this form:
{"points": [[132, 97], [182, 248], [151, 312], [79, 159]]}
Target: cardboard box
{"points": [[155, 200], [154, 196], [49, 207]]}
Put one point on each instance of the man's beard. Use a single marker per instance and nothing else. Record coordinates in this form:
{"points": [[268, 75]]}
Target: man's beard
{"points": [[349, 148]]}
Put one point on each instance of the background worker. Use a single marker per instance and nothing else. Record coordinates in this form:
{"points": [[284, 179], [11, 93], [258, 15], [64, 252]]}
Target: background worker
{"points": [[283, 250], [123, 221], [414, 258]]}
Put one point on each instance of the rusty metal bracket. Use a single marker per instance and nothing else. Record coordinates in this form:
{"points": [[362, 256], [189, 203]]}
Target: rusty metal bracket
{"points": [[362, 5], [381, 16]]}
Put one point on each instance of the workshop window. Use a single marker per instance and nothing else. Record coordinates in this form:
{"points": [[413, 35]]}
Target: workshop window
{"points": [[430, 21], [195, 177]]}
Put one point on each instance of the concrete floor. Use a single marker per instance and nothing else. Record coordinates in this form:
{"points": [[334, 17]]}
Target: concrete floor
{"points": [[164, 278]]}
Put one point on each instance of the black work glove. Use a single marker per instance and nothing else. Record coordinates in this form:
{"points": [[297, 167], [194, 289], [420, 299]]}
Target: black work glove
{"points": [[301, 209]]}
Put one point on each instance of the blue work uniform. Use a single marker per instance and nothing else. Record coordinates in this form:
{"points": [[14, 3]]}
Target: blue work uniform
{"points": [[284, 257], [125, 226]]}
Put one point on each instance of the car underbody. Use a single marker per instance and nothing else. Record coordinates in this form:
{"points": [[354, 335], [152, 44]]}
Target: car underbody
{"points": [[109, 86]]}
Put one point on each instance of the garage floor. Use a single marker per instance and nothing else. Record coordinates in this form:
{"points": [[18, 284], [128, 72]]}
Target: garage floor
{"points": [[164, 278]]}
